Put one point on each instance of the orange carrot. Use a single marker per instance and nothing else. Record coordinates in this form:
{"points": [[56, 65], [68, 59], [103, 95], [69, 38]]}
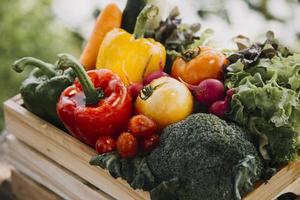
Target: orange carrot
{"points": [[109, 18]]}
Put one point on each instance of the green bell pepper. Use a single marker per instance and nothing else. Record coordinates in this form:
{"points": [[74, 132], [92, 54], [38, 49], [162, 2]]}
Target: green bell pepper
{"points": [[41, 90]]}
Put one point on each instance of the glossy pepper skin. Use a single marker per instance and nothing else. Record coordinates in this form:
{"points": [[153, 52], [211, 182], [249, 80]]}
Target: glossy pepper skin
{"points": [[97, 104], [131, 56], [41, 90]]}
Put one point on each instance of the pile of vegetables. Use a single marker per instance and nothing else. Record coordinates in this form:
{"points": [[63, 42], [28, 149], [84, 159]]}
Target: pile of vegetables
{"points": [[168, 113]]}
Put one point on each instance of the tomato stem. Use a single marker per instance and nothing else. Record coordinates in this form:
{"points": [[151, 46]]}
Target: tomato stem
{"points": [[190, 54], [148, 90]]}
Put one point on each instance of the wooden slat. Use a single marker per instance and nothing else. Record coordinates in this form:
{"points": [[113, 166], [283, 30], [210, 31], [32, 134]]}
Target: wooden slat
{"points": [[279, 184], [26, 189], [74, 156], [49, 174], [65, 150]]}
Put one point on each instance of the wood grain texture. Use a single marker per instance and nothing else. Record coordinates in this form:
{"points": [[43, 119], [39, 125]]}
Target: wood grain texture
{"points": [[65, 150], [74, 156], [25, 189], [286, 180], [48, 173]]}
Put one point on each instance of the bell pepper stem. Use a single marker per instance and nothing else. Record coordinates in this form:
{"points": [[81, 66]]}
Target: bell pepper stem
{"points": [[149, 12], [92, 95], [20, 65]]}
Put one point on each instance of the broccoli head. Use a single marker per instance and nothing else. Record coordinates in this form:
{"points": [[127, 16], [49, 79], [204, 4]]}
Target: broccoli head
{"points": [[212, 159]]}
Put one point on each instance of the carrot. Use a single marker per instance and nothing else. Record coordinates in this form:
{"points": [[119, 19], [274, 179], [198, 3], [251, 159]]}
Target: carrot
{"points": [[109, 18]]}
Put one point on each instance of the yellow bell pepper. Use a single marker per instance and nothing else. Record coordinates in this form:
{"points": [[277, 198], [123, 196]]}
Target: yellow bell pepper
{"points": [[131, 56]]}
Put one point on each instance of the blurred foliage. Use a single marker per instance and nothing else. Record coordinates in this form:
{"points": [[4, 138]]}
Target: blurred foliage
{"points": [[260, 6], [28, 28], [265, 8]]}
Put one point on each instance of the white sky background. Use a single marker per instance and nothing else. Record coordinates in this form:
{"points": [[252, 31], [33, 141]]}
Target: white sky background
{"points": [[77, 14]]}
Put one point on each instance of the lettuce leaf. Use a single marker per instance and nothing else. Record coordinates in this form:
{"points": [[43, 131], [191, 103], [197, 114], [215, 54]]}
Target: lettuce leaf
{"points": [[267, 103]]}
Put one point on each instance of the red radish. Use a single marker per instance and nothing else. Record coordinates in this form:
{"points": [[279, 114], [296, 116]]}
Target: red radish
{"points": [[154, 75], [229, 94], [134, 89], [219, 108], [208, 91]]}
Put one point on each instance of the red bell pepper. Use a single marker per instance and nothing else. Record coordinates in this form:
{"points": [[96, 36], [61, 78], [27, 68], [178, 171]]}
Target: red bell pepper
{"points": [[97, 104]]}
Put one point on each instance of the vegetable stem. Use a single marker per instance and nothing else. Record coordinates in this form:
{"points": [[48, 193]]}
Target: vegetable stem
{"points": [[149, 12], [92, 95], [190, 54], [46, 68]]}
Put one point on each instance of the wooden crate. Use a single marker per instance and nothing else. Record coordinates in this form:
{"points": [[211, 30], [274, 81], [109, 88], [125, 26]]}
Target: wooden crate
{"points": [[21, 184], [74, 156], [47, 173]]}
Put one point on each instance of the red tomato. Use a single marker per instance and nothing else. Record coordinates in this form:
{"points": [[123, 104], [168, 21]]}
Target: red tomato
{"points": [[149, 143], [142, 126], [127, 145], [105, 144]]}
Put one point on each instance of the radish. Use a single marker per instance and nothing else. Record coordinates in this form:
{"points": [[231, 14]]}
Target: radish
{"points": [[154, 75], [208, 91], [134, 89], [219, 108], [229, 94]]}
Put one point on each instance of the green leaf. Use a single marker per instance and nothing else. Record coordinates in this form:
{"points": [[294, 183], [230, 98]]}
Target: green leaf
{"points": [[236, 67], [109, 161], [243, 175], [204, 39], [135, 171], [166, 190]]}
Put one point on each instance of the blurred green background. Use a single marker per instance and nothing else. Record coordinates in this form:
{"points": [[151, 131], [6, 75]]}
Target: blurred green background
{"points": [[44, 28], [29, 28]]}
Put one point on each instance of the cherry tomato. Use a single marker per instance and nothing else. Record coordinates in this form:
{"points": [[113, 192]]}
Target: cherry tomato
{"points": [[208, 64], [105, 144], [142, 126], [165, 100], [127, 145], [149, 143]]}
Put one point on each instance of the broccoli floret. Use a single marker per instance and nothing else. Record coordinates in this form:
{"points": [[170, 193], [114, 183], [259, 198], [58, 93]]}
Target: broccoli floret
{"points": [[207, 155]]}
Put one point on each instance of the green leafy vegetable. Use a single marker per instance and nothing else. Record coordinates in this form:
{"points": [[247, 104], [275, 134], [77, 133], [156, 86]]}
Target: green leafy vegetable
{"points": [[173, 34], [178, 37], [267, 86], [251, 55], [135, 171]]}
